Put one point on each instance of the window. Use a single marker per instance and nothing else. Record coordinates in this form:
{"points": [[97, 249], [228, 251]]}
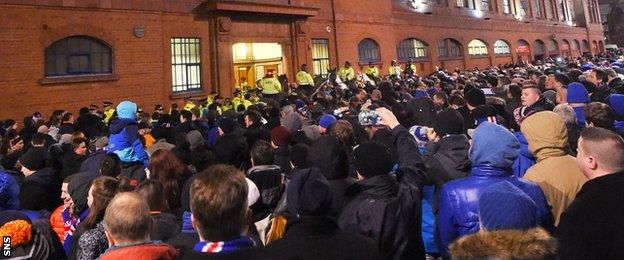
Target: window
{"points": [[320, 56], [186, 64], [462, 3], [506, 7], [477, 48], [368, 50], [537, 8], [449, 48], [485, 5], [552, 46], [523, 7], [561, 10], [411, 49], [570, 16], [501, 47], [549, 10], [575, 45], [78, 55]]}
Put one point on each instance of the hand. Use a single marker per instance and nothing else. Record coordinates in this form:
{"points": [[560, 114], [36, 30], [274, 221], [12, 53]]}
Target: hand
{"points": [[387, 118], [432, 135]]}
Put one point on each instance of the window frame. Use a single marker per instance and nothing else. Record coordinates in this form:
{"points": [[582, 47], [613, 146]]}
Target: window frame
{"points": [[186, 63], [448, 47], [498, 48], [482, 49], [413, 48], [371, 54], [320, 60], [106, 66]]}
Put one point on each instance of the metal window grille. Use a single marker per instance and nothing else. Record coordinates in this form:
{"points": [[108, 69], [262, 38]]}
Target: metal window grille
{"points": [[368, 50], [411, 49], [320, 56], [186, 64], [77, 55]]}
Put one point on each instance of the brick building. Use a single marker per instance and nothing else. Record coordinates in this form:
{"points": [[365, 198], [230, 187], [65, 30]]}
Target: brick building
{"points": [[70, 53]]}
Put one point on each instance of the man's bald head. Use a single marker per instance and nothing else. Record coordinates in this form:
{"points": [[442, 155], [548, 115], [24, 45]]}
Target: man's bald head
{"points": [[600, 152], [127, 219]]}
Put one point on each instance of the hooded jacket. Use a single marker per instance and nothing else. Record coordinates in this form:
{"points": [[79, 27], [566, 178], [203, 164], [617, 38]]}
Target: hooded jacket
{"points": [[125, 142], [9, 192], [387, 209], [525, 159], [494, 150], [447, 159], [555, 171], [535, 243], [150, 250]]}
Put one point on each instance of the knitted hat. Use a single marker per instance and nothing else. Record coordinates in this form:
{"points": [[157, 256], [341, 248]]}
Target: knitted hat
{"points": [[369, 118], [17, 226], [308, 193], [226, 124], [195, 139], [33, 159], [327, 120], [448, 121], [550, 95], [372, 159], [617, 103], [127, 110], [419, 133], [505, 206], [280, 136], [586, 67], [577, 93], [475, 97], [292, 122]]}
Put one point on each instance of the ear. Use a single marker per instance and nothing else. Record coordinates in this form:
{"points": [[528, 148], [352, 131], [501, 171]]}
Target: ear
{"points": [[109, 237], [591, 162]]}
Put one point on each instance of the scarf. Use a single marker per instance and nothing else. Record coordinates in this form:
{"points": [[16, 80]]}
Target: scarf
{"points": [[187, 226], [224, 246], [69, 226]]}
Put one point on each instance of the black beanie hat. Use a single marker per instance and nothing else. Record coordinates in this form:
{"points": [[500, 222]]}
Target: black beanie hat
{"points": [[448, 121], [475, 97], [227, 125], [308, 193], [33, 159], [372, 159], [299, 155]]}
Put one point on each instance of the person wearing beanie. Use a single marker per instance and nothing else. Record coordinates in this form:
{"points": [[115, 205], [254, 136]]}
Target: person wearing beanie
{"points": [[555, 171], [280, 140], [93, 161], [229, 148], [616, 101], [474, 97], [124, 138], [40, 184], [493, 152], [310, 232], [28, 239], [385, 208], [578, 98], [507, 215], [325, 123]]}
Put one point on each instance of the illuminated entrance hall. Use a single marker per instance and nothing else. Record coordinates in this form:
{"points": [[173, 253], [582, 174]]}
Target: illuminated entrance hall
{"points": [[254, 60]]}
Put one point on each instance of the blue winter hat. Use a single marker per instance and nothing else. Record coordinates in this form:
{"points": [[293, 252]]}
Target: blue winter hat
{"points": [[577, 93], [369, 118], [586, 67], [432, 91], [617, 103], [505, 206], [327, 120], [127, 110], [420, 94], [494, 145]]}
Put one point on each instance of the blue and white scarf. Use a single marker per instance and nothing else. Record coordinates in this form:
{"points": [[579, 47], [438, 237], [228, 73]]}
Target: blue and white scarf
{"points": [[224, 246]]}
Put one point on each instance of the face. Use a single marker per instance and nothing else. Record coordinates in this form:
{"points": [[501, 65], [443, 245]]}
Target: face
{"points": [[18, 146], [438, 100], [248, 121], [90, 197], [593, 78], [361, 95], [81, 149], [529, 97], [67, 200], [550, 81]]}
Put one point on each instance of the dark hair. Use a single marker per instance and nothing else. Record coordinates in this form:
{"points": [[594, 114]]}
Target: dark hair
{"points": [[330, 156], [165, 167], [110, 165], [456, 100], [299, 155], [262, 153], [103, 189], [218, 198], [186, 115], [343, 131], [153, 192], [254, 116], [38, 139], [504, 80], [601, 74], [599, 114], [563, 79], [196, 112], [515, 91], [83, 111], [76, 142], [66, 117]]}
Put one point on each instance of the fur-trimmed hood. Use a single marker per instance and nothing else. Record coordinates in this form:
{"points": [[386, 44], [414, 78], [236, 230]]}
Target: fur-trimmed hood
{"points": [[535, 243]]}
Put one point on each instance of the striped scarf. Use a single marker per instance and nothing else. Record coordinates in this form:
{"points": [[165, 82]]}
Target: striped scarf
{"points": [[224, 246]]}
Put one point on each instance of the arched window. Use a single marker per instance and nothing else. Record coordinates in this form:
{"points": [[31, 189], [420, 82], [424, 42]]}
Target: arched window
{"points": [[523, 47], [477, 48], [78, 55], [449, 48], [552, 46], [585, 46], [538, 47], [575, 45], [411, 49], [565, 45], [368, 50], [501, 47]]}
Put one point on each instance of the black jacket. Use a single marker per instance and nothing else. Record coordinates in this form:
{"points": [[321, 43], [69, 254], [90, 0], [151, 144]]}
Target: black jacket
{"points": [[338, 188], [71, 164], [447, 159], [91, 125], [41, 188], [388, 209], [256, 132], [93, 161], [591, 227], [165, 226], [320, 238], [268, 179]]}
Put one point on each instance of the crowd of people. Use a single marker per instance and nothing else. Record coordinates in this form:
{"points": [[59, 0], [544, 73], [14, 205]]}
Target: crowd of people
{"points": [[521, 161]]}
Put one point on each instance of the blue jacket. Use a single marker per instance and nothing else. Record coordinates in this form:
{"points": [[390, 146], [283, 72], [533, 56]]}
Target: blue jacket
{"points": [[9, 192], [525, 159], [125, 142], [458, 215]]}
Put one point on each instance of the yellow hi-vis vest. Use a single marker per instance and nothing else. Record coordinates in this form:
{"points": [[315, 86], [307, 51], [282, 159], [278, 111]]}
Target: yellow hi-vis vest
{"points": [[270, 86], [304, 78], [372, 71]]}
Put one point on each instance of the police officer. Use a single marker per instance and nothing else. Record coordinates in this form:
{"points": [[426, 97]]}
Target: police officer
{"points": [[305, 81], [394, 71], [346, 73], [410, 69], [271, 87], [109, 111], [372, 71]]}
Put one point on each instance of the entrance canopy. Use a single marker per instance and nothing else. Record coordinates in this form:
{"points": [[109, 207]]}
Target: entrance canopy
{"points": [[283, 7]]}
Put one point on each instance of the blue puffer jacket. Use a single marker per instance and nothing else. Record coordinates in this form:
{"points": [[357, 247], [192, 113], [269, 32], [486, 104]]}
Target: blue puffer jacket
{"points": [[9, 192], [124, 141], [493, 153], [525, 160]]}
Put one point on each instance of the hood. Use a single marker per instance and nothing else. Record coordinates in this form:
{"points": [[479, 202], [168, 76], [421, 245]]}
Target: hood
{"points": [[456, 148], [580, 117], [617, 103], [547, 135], [494, 145], [505, 244], [118, 124]]}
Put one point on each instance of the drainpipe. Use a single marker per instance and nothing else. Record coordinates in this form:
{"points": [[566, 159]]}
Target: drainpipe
{"points": [[335, 29]]}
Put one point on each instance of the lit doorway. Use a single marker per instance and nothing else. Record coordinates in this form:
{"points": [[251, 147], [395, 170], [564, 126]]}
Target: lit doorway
{"points": [[254, 60]]}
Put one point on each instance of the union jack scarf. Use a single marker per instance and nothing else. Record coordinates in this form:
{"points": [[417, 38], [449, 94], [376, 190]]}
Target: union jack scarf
{"points": [[224, 246]]}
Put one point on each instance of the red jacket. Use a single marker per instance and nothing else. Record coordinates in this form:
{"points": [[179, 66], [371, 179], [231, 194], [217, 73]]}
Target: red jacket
{"points": [[147, 251]]}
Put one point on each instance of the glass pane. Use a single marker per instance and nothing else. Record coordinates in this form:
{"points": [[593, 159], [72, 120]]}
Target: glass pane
{"points": [[61, 65], [50, 65], [96, 63], [78, 64]]}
